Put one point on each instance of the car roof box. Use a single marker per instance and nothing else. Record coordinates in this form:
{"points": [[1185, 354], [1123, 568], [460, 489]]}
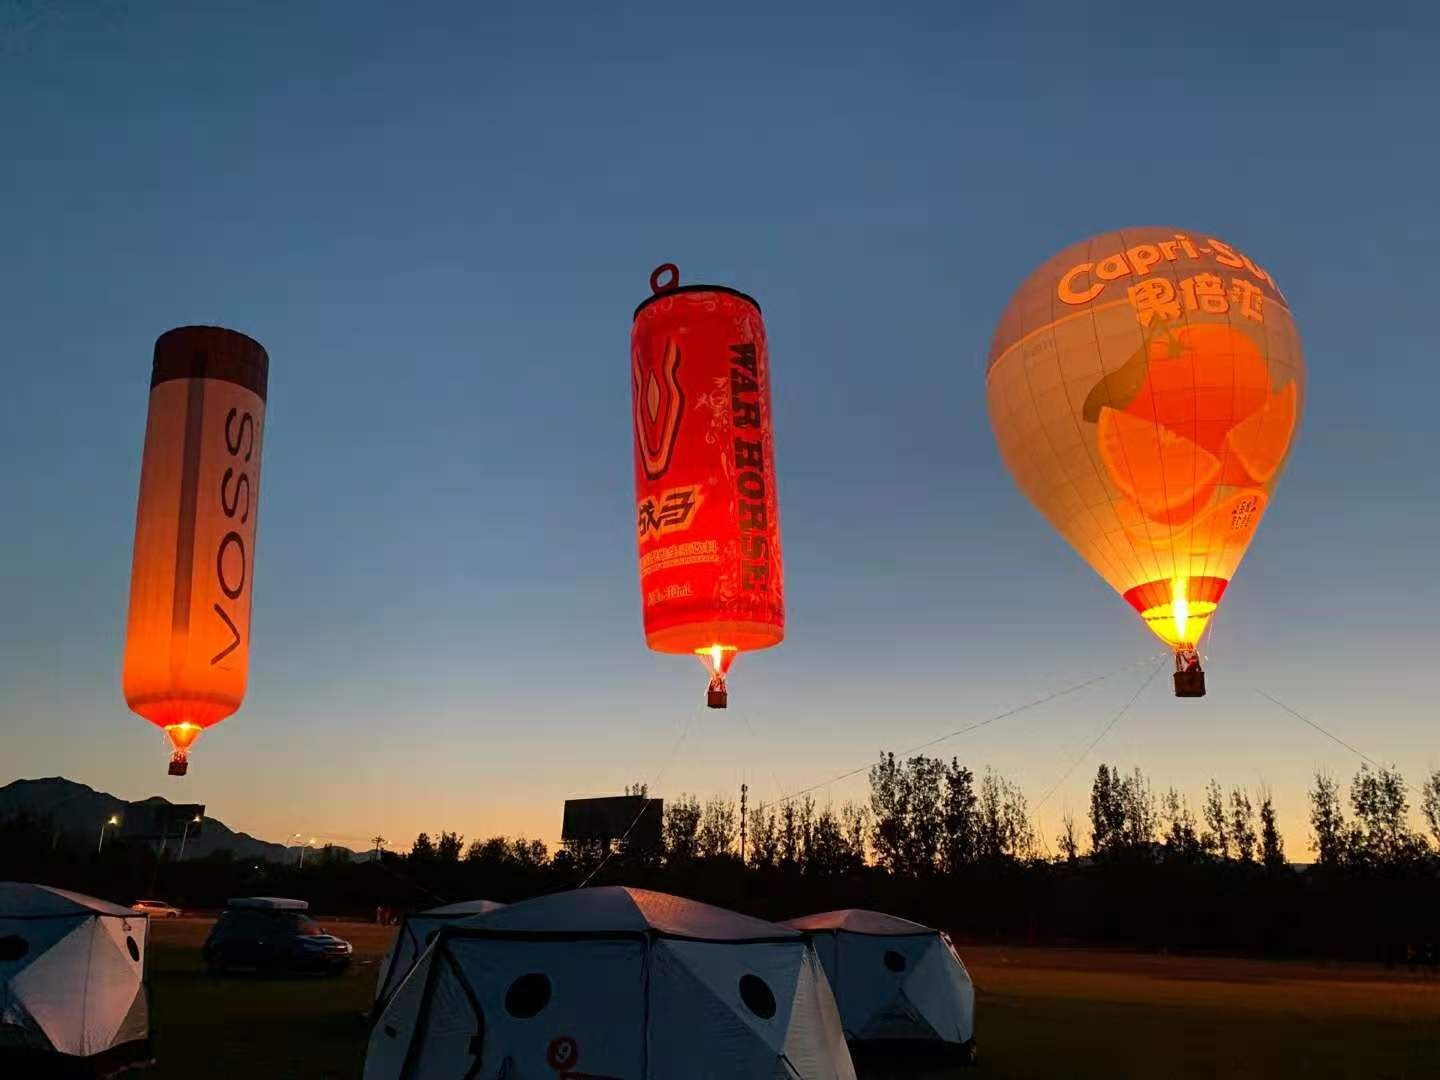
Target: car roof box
{"points": [[267, 903]]}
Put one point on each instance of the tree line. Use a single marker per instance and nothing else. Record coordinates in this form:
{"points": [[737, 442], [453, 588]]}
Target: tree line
{"points": [[934, 841]]}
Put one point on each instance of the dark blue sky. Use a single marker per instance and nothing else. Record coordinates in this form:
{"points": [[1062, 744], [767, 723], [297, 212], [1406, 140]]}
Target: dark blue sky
{"points": [[439, 225]]}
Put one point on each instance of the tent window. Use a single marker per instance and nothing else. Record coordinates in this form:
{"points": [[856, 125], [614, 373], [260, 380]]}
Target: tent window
{"points": [[13, 947], [894, 961], [132, 948], [527, 996], [758, 997]]}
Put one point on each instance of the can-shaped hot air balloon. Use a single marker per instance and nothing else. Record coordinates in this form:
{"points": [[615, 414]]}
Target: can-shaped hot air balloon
{"points": [[1145, 387], [707, 519], [187, 643]]}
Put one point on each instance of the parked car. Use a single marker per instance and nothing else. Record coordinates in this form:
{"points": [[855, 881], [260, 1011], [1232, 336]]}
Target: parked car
{"points": [[156, 909], [269, 933]]}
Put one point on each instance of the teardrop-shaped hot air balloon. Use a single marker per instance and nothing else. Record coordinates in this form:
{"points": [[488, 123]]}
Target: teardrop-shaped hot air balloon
{"points": [[187, 644], [707, 519], [1145, 387]]}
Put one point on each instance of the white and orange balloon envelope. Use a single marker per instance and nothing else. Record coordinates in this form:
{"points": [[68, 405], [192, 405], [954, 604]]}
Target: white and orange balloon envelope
{"points": [[187, 643], [707, 518], [1145, 387]]}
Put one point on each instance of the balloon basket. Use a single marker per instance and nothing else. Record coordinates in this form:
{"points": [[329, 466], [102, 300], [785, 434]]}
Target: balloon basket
{"points": [[1190, 683], [179, 765], [717, 699]]}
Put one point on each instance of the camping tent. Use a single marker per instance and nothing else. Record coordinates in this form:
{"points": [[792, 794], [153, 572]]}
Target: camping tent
{"points": [[72, 982], [413, 937], [608, 983], [894, 979]]}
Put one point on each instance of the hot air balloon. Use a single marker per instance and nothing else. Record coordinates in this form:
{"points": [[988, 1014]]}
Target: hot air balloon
{"points": [[1145, 387], [707, 519], [187, 643]]}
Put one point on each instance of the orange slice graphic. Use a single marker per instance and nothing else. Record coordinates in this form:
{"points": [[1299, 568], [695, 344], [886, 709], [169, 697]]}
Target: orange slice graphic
{"points": [[1260, 442], [1169, 476]]}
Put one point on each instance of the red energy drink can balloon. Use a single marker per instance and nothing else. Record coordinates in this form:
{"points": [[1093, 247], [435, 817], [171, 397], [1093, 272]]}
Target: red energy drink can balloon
{"points": [[707, 518]]}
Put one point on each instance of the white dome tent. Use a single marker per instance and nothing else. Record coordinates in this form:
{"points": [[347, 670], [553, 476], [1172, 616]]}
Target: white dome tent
{"points": [[413, 937], [895, 981], [72, 983], [611, 983]]}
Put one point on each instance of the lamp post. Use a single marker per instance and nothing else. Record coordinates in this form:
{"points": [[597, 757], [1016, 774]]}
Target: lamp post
{"points": [[114, 820], [302, 852], [186, 836]]}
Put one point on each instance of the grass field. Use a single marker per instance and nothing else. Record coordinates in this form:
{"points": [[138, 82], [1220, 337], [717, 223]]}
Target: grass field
{"points": [[1041, 1013]]}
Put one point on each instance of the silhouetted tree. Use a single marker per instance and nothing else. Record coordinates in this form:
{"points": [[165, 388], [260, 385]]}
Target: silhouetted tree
{"points": [[1107, 813], [1430, 804], [449, 846], [494, 851], [763, 840], [717, 832], [826, 855], [1380, 836], [925, 825], [804, 828], [959, 844], [582, 851], [423, 849], [790, 850], [1216, 837], [682, 824], [889, 802], [1272, 846], [1067, 841], [1242, 825], [1328, 821], [1122, 812], [531, 854], [855, 826], [1182, 842], [1004, 820], [1137, 811]]}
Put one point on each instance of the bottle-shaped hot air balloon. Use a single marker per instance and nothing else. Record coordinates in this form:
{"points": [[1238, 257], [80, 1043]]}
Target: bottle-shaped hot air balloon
{"points": [[187, 644], [1145, 387], [706, 517]]}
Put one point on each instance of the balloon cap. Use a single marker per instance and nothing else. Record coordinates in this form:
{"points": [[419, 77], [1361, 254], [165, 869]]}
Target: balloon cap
{"points": [[665, 282], [664, 277]]}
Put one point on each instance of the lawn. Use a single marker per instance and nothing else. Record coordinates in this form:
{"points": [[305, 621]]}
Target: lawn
{"points": [[1041, 1013]]}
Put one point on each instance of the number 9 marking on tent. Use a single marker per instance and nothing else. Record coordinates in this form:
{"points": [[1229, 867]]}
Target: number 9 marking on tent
{"points": [[562, 1052]]}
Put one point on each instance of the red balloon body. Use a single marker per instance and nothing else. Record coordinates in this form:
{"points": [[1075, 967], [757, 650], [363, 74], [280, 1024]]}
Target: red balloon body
{"points": [[707, 519]]}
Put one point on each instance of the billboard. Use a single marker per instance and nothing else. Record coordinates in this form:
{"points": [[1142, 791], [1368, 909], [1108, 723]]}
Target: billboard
{"points": [[602, 820]]}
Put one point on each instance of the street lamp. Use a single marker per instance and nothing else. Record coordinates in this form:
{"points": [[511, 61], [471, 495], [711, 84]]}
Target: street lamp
{"points": [[114, 820], [186, 835], [302, 852]]}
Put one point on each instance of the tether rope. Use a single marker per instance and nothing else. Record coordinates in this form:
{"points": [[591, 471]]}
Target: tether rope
{"points": [[1035, 703]]}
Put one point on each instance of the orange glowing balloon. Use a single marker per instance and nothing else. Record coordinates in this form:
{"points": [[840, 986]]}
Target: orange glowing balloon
{"points": [[707, 516], [1145, 387], [187, 643]]}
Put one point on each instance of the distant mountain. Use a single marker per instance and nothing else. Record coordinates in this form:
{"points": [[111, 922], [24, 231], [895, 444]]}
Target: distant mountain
{"points": [[80, 809]]}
